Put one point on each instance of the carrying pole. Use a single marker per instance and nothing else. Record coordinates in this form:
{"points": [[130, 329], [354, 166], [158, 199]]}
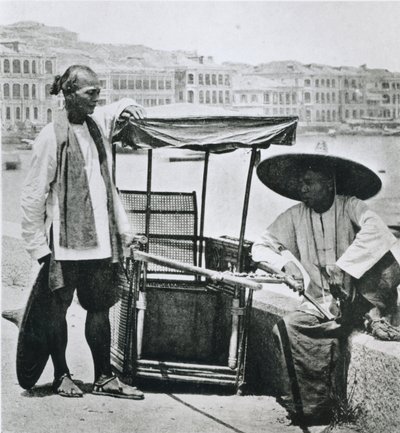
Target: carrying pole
{"points": [[203, 206]]}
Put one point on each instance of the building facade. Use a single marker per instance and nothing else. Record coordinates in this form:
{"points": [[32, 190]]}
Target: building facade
{"points": [[25, 81]]}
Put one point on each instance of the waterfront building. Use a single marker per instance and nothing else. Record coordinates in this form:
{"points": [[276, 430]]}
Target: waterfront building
{"points": [[258, 95], [199, 80], [25, 80], [148, 86]]}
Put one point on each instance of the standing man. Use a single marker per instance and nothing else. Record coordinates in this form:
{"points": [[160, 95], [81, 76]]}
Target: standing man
{"points": [[74, 224], [328, 242]]}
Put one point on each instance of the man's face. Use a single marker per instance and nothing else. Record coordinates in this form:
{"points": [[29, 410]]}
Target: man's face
{"points": [[84, 100], [315, 189]]}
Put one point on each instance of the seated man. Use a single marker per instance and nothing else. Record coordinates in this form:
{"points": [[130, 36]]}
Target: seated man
{"points": [[328, 242]]}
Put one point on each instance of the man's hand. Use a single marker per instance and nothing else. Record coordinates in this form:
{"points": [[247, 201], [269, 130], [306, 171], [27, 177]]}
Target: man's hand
{"points": [[335, 275], [132, 111], [293, 270]]}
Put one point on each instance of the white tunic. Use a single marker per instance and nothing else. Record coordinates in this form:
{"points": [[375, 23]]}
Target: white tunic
{"points": [[39, 199], [355, 242]]}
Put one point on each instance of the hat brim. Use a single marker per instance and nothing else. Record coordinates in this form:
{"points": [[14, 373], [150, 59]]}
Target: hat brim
{"points": [[282, 174], [33, 349]]}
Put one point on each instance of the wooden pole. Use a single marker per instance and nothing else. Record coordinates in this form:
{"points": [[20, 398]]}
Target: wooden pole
{"points": [[203, 206], [245, 208], [213, 275]]}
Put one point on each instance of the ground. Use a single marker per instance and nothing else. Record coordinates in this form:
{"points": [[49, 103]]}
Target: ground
{"points": [[165, 408]]}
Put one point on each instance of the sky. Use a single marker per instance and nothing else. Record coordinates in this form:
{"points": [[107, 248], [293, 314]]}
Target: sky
{"points": [[334, 33]]}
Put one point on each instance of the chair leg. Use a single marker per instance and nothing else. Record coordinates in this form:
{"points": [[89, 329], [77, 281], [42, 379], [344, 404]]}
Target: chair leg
{"points": [[141, 307]]}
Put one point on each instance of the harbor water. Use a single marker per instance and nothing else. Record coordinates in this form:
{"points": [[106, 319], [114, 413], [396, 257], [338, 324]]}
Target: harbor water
{"points": [[227, 176]]}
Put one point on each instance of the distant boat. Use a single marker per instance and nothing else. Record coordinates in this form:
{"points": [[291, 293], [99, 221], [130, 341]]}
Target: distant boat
{"points": [[26, 144], [391, 131], [332, 132]]}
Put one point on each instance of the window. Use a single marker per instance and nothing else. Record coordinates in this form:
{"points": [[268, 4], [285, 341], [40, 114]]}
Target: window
{"points": [[227, 80], [26, 67], [317, 116], [328, 116], [385, 86], [201, 97], [393, 99], [243, 99], [48, 67], [346, 82], [220, 97], [180, 96], [386, 99], [18, 113], [123, 84], [49, 115], [27, 113], [16, 66], [346, 114], [361, 113], [353, 84], [6, 91], [153, 84], [146, 84], [33, 67], [208, 79], [138, 84], [307, 97], [287, 98], [16, 91], [254, 98], [322, 98], [168, 101], [346, 98], [275, 98], [323, 116], [214, 97], [307, 83], [208, 97], [47, 91], [308, 115], [190, 79], [190, 96], [294, 98], [354, 114], [214, 79], [131, 84], [266, 98], [333, 97], [201, 79], [35, 113], [280, 98], [333, 83], [227, 97], [6, 66], [316, 83], [328, 98], [328, 82], [317, 97], [220, 79], [334, 115], [322, 83], [33, 91], [168, 84], [115, 84], [26, 91], [161, 85]]}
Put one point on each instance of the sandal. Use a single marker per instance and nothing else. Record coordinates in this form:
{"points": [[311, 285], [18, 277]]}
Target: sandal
{"points": [[116, 389], [381, 329], [65, 381]]}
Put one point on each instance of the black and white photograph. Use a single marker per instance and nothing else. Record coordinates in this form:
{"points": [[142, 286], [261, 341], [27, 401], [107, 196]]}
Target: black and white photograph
{"points": [[200, 216]]}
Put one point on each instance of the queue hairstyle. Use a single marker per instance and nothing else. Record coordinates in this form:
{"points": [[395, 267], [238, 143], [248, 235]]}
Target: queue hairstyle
{"points": [[67, 83]]}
